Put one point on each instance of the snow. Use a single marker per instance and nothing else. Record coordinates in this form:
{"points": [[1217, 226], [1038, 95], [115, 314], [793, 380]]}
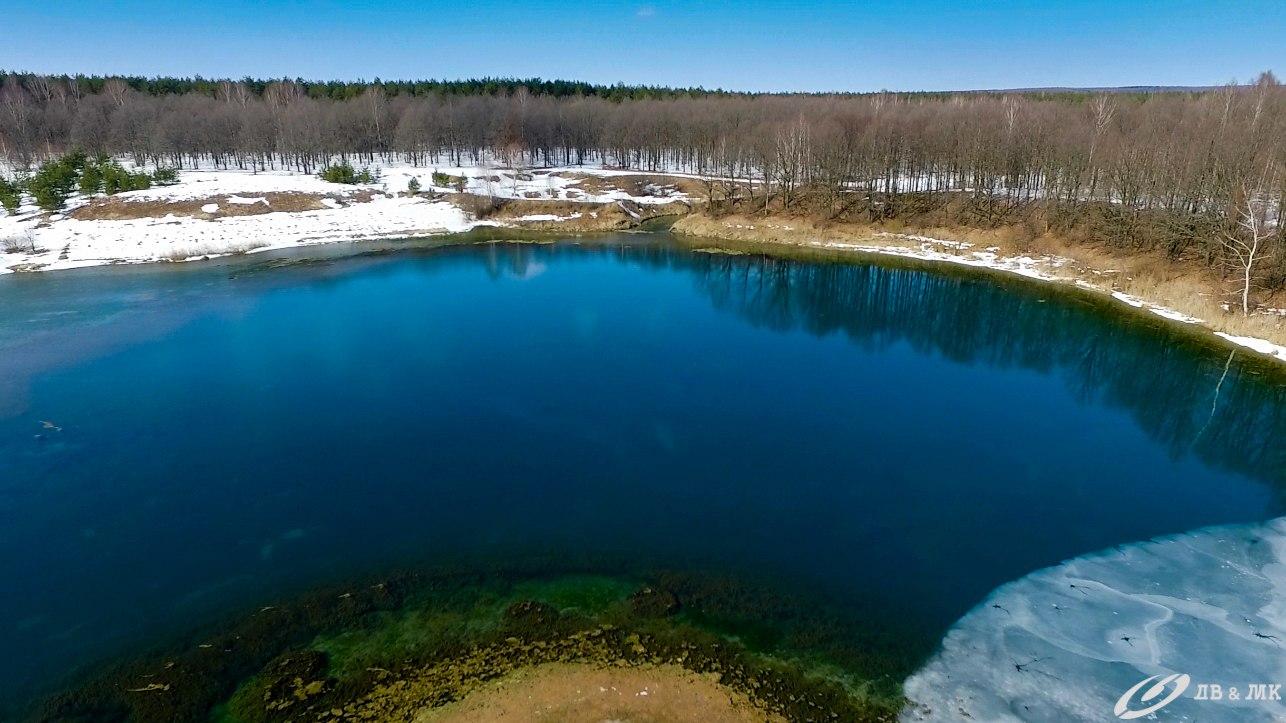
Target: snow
{"points": [[547, 217], [627, 210], [64, 242], [1066, 642], [72, 243], [1127, 299], [537, 183], [206, 183], [1260, 345]]}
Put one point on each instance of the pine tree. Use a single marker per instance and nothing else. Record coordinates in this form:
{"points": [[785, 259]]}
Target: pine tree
{"points": [[10, 196]]}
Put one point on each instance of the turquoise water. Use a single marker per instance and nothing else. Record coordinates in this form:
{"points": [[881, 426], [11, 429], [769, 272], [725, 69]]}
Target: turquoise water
{"points": [[904, 438]]}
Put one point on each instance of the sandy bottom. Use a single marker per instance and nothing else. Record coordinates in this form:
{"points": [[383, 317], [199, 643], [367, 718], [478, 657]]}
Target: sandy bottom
{"points": [[580, 693]]}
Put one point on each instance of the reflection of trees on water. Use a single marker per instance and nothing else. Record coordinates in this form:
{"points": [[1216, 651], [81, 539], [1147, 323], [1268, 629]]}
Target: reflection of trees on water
{"points": [[1181, 391]]}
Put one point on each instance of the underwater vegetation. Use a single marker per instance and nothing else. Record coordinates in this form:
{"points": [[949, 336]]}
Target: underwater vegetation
{"points": [[390, 647]]}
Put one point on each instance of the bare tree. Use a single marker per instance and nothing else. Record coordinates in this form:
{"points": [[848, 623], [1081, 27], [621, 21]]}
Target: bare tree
{"points": [[1155, 172], [1247, 242], [1103, 109]]}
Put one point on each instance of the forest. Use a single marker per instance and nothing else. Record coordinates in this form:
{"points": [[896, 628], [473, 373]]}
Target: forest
{"points": [[1194, 175]]}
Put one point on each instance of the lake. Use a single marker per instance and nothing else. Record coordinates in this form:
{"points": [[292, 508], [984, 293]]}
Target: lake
{"points": [[181, 441]]}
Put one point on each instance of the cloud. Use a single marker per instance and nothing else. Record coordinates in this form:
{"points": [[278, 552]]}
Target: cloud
{"points": [[647, 11]]}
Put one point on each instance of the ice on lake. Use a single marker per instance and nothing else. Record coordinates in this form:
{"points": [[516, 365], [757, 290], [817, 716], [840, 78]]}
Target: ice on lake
{"points": [[1068, 642]]}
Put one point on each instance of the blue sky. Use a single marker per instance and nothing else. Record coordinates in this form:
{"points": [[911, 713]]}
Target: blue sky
{"points": [[828, 45]]}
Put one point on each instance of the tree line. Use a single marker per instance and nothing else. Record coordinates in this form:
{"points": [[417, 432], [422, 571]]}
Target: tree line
{"points": [[1191, 174], [349, 89]]}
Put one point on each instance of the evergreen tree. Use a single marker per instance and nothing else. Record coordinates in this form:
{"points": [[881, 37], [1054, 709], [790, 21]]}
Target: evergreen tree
{"points": [[165, 176], [91, 179], [10, 196]]}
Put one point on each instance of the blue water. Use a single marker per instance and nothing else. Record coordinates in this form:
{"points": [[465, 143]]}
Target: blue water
{"points": [[894, 434]]}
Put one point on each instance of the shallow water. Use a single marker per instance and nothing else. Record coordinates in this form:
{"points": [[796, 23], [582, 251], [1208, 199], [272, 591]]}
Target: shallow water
{"points": [[902, 437]]}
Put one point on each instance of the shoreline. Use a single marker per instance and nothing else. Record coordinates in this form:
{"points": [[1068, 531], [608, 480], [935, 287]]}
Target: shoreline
{"points": [[1039, 267], [213, 214], [440, 643]]}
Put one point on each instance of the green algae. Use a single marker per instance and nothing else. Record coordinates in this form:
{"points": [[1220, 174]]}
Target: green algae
{"points": [[285, 690], [585, 594], [430, 622], [777, 648], [377, 651]]}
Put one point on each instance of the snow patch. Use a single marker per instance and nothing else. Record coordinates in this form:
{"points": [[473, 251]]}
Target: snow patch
{"points": [[1262, 346], [547, 217], [210, 208], [1127, 299], [626, 209]]}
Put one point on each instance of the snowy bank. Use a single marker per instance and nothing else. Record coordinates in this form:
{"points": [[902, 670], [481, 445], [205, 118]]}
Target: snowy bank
{"points": [[1070, 642], [213, 212], [70, 242]]}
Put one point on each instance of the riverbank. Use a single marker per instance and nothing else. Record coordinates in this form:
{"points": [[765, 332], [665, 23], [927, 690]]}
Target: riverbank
{"points": [[1175, 294]]}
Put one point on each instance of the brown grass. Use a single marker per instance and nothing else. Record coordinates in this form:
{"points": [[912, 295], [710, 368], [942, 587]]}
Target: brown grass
{"points": [[633, 184], [115, 208], [593, 216]]}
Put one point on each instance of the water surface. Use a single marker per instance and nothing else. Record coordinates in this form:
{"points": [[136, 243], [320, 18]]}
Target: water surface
{"points": [[907, 439]]}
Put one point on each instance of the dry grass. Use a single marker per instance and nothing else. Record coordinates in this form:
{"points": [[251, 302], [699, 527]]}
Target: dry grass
{"points": [[1184, 285], [114, 208], [634, 185], [15, 245], [475, 205], [21, 244], [592, 216], [26, 268], [513, 208]]}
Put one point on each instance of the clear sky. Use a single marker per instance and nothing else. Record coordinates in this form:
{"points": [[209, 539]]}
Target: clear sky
{"points": [[856, 45]]}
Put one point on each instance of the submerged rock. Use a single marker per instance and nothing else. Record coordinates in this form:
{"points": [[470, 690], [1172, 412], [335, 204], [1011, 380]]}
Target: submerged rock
{"points": [[531, 613], [293, 679], [650, 602]]}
